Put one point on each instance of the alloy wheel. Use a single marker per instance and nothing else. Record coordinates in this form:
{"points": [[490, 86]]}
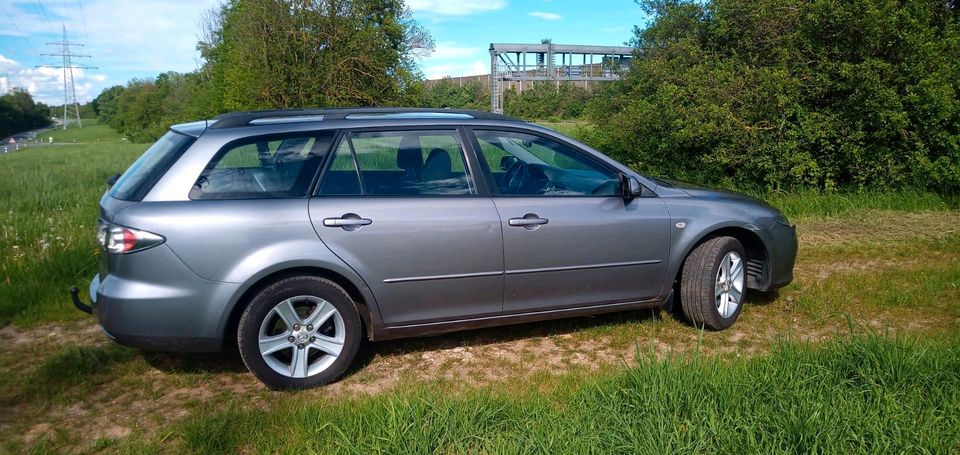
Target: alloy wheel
{"points": [[301, 336], [729, 284]]}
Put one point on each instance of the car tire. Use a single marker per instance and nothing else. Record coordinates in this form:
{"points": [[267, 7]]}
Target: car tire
{"points": [[280, 344], [710, 282]]}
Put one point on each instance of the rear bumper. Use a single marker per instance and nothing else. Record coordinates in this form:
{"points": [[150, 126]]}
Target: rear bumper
{"points": [[155, 323], [168, 308]]}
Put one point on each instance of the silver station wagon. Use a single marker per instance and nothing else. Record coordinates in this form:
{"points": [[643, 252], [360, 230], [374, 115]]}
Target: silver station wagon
{"points": [[295, 234]]}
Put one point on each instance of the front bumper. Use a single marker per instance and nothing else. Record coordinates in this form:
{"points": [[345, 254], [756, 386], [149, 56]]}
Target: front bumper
{"points": [[781, 241]]}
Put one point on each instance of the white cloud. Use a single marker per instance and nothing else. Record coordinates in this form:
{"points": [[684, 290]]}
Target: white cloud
{"points": [[457, 69], [140, 39], [455, 7], [155, 36], [449, 50], [547, 16], [46, 84]]}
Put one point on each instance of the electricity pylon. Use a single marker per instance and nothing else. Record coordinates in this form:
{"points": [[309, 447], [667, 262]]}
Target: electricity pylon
{"points": [[66, 52]]}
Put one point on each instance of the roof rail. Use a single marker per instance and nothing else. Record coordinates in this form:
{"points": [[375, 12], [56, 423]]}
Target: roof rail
{"points": [[236, 119]]}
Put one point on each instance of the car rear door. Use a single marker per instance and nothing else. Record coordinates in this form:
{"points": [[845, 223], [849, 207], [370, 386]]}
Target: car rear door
{"points": [[570, 239], [401, 207]]}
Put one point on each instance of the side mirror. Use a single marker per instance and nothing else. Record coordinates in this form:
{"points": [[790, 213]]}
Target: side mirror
{"points": [[630, 187], [113, 179], [507, 161]]}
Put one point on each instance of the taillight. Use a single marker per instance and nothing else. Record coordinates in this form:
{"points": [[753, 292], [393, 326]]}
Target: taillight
{"points": [[121, 239], [102, 229]]}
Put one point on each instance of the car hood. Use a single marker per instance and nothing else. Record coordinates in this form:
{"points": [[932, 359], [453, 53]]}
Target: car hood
{"points": [[707, 192]]}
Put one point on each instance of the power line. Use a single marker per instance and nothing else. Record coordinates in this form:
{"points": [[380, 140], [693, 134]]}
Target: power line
{"points": [[83, 20], [46, 18], [66, 52], [17, 28]]}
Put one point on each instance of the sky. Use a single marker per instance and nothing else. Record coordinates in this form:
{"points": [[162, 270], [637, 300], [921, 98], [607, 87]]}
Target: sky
{"points": [[129, 39]]}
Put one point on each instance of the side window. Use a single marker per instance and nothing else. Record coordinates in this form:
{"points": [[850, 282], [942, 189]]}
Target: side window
{"points": [[341, 179], [528, 165], [402, 163], [278, 167]]}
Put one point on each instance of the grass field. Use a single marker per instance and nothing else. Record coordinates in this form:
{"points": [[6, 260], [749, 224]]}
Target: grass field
{"points": [[860, 354], [92, 131]]}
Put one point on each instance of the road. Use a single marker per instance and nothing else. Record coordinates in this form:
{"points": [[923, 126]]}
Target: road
{"points": [[24, 140]]}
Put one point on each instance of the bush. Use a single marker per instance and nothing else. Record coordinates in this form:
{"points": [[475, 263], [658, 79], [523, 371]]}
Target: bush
{"points": [[547, 100], [776, 94], [446, 94]]}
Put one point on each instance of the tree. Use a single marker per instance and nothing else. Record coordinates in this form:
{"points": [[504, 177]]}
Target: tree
{"points": [[272, 54], [290, 54], [19, 113], [104, 104]]}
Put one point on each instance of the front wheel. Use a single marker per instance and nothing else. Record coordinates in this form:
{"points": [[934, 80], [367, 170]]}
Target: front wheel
{"points": [[299, 332], [713, 283]]}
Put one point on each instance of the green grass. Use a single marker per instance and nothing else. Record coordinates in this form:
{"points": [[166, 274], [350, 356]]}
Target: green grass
{"points": [[48, 208], [71, 367], [92, 131], [806, 204], [865, 394], [891, 259]]}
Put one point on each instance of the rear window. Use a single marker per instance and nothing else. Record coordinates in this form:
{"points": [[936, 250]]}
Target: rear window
{"points": [[140, 177], [281, 166]]}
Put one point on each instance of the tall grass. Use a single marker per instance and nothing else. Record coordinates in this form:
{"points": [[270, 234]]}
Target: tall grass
{"points": [[810, 203], [864, 394], [48, 208]]}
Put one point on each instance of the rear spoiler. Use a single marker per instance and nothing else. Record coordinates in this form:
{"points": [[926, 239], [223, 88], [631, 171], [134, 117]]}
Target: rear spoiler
{"points": [[193, 129]]}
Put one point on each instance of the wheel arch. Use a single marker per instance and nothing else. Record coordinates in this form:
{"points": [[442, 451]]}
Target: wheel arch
{"points": [[758, 256], [356, 293]]}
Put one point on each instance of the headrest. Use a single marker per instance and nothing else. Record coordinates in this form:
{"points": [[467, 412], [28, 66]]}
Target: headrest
{"points": [[410, 155], [439, 154]]}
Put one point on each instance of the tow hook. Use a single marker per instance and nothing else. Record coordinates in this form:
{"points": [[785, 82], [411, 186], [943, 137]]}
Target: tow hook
{"points": [[75, 295]]}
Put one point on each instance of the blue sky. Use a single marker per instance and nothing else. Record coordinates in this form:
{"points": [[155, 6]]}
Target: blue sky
{"points": [[137, 39]]}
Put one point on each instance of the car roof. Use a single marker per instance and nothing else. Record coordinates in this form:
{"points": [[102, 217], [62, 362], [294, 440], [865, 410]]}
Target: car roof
{"points": [[236, 119], [290, 117]]}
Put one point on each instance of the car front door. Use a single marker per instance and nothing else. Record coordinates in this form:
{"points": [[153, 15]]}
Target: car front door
{"points": [[402, 209], [569, 237]]}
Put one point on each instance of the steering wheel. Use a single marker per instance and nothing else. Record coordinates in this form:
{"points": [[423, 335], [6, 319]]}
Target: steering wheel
{"points": [[514, 178]]}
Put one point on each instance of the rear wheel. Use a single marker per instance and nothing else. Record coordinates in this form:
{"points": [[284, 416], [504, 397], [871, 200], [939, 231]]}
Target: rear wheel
{"points": [[299, 332], [713, 283]]}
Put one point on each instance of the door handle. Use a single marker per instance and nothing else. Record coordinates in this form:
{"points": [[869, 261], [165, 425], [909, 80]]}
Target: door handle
{"points": [[349, 222], [346, 222], [528, 221]]}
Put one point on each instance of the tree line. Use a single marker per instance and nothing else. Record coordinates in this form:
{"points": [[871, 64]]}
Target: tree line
{"points": [[764, 94], [19, 113], [539, 100]]}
